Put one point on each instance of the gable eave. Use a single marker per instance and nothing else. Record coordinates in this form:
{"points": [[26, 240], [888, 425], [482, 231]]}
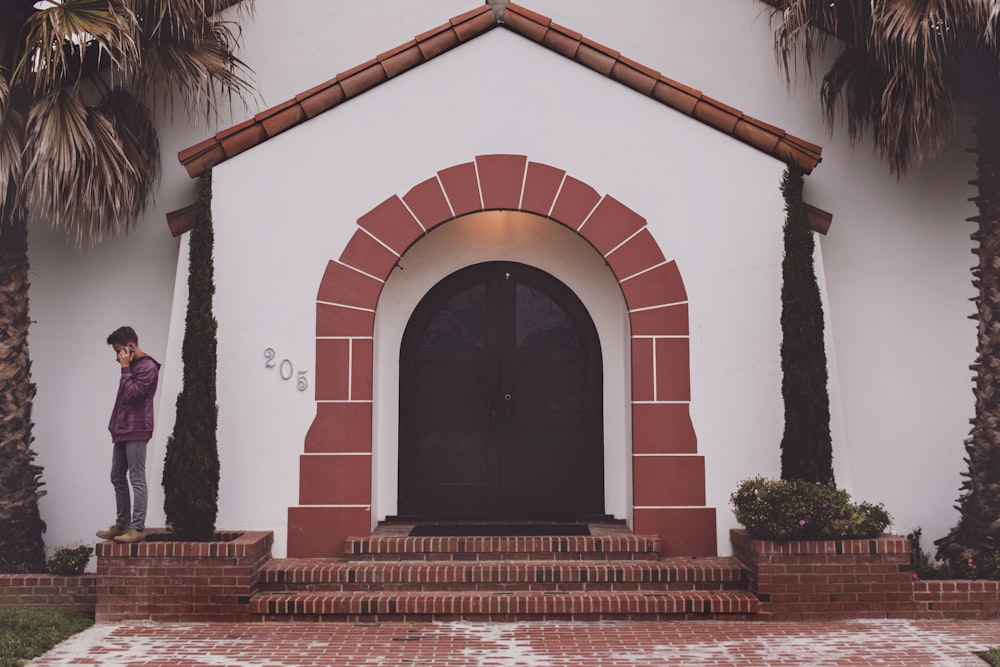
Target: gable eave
{"points": [[540, 29]]}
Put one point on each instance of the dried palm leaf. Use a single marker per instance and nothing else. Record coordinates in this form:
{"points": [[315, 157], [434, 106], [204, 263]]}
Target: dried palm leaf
{"points": [[11, 154], [58, 37]]}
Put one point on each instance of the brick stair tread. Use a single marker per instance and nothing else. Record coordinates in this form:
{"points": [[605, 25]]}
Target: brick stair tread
{"points": [[312, 572], [502, 603], [641, 545]]}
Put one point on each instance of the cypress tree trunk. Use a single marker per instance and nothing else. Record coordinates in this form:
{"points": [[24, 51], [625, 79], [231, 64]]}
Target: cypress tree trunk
{"points": [[806, 446], [978, 529], [191, 467], [21, 526]]}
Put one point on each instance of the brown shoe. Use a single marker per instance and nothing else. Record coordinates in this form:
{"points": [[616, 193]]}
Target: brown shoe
{"points": [[131, 535], [111, 533]]}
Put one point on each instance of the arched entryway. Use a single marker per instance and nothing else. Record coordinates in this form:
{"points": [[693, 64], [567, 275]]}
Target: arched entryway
{"points": [[668, 476], [500, 400]]}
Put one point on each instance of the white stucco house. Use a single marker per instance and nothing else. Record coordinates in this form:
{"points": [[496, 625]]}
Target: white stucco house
{"points": [[511, 261]]}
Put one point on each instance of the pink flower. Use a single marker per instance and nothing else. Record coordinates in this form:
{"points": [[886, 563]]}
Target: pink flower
{"points": [[802, 522]]}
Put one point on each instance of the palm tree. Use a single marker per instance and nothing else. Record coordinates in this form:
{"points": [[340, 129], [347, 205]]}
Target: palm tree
{"points": [[905, 71], [78, 81]]}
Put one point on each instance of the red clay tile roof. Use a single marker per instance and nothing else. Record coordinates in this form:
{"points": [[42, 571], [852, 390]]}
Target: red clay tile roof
{"points": [[540, 29]]}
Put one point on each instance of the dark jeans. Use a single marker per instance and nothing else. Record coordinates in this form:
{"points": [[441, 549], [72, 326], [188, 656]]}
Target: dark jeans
{"points": [[130, 458]]}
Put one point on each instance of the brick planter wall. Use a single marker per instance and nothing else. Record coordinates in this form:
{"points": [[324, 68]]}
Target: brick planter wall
{"points": [[166, 581], [827, 579], [78, 594], [979, 600]]}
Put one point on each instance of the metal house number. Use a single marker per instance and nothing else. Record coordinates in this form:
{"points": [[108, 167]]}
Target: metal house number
{"points": [[285, 369]]}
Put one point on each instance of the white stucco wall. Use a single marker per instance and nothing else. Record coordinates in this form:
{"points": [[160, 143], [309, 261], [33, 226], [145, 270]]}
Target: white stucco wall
{"points": [[298, 196], [896, 260], [78, 296]]}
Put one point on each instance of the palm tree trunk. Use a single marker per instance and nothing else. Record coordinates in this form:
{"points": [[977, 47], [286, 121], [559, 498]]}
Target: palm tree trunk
{"points": [[978, 529], [21, 526]]}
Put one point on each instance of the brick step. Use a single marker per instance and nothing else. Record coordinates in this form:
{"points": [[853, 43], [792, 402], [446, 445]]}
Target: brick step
{"points": [[623, 546], [498, 606], [312, 575]]}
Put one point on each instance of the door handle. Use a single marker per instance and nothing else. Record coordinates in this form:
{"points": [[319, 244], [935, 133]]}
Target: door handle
{"points": [[508, 402]]}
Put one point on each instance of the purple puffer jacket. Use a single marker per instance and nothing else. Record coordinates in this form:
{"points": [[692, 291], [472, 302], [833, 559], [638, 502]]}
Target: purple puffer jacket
{"points": [[132, 417]]}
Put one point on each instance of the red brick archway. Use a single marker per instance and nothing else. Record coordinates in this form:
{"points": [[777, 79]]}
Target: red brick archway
{"points": [[668, 489]]}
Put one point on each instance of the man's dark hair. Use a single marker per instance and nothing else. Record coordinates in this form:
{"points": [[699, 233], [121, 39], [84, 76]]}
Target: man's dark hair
{"points": [[123, 336]]}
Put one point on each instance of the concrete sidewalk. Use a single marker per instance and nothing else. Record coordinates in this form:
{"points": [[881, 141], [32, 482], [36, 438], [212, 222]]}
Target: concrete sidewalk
{"points": [[859, 643]]}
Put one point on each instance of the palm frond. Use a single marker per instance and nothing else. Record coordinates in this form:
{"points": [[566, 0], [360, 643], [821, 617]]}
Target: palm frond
{"points": [[806, 27], [180, 18], [138, 143], [852, 86], [992, 22], [184, 19], [796, 36], [903, 64], [202, 68], [82, 173], [108, 186], [90, 169], [56, 141], [11, 153], [927, 33], [58, 37]]}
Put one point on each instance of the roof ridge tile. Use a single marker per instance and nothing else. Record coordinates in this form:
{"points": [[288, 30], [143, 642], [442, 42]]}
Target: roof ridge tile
{"points": [[473, 14], [476, 23], [361, 78], [277, 108], [521, 10], [436, 43], [529, 24], [427, 34], [560, 41], [524, 25], [606, 50], [596, 59], [284, 117], [681, 98], [387, 55], [569, 32], [199, 148], [401, 59], [635, 76], [322, 98]]}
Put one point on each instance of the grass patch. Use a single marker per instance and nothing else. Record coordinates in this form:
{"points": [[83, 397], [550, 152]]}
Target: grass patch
{"points": [[28, 632], [991, 656]]}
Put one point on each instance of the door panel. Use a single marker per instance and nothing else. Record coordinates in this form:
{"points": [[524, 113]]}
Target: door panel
{"points": [[500, 399], [452, 392], [467, 456]]}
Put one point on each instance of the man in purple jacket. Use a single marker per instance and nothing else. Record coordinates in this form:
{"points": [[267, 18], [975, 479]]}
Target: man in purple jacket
{"points": [[131, 428]]}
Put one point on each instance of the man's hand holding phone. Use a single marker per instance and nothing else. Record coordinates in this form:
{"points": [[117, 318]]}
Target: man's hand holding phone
{"points": [[125, 355]]}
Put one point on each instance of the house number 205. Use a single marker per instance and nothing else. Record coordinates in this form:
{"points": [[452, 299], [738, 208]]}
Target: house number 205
{"points": [[285, 369]]}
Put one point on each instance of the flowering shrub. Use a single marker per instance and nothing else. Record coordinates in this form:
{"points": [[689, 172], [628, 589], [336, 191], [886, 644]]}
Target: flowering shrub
{"points": [[785, 510], [70, 561]]}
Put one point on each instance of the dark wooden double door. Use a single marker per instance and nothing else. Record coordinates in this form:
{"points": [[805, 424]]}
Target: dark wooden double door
{"points": [[500, 400]]}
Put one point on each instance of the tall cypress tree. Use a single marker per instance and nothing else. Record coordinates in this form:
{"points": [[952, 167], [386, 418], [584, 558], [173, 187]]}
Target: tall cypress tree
{"points": [[191, 468], [806, 447]]}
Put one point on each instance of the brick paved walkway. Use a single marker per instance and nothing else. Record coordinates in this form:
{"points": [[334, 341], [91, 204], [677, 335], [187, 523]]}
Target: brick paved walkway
{"points": [[545, 644]]}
